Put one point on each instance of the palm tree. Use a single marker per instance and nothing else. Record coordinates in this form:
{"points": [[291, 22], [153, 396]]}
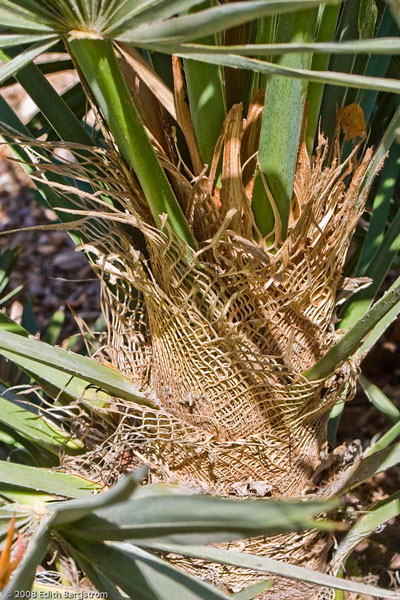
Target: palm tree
{"points": [[216, 197]]}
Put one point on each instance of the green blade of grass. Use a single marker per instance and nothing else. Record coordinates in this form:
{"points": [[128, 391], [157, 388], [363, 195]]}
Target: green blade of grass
{"points": [[265, 36], [74, 97], [7, 324], [57, 384], [74, 510], [141, 574], [378, 64], [185, 519], [11, 294], [14, 39], [56, 65], [147, 12], [386, 142], [253, 591], [378, 330], [37, 11], [367, 20], [97, 60], [46, 194], [25, 21], [28, 320], [364, 469], [8, 260], [53, 331], [391, 241], [96, 576], [384, 46], [37, 429], [330, 77], [23, 495], [386, 439], [395, 8], [21, 449]]}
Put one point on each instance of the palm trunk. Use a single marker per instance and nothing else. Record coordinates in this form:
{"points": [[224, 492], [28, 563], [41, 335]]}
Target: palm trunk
{"points": [[223, 343]]}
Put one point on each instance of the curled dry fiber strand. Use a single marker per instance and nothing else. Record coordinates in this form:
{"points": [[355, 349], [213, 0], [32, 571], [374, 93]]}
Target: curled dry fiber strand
{"points": [[220, 339]]}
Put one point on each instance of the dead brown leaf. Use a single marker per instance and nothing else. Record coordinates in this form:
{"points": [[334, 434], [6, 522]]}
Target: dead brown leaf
{"points": [[352, 121]]}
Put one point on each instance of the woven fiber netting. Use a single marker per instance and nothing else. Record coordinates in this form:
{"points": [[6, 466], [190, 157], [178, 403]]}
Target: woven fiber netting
{"points": [[223, 338], [220, 340]]}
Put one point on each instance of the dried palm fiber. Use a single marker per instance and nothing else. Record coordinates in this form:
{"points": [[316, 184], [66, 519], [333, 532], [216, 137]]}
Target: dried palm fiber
{"points": [[221, 339]]}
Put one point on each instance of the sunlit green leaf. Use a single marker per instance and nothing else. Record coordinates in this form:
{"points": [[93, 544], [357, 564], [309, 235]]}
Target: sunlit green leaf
{"points": [[45, 480], [208, 21], [83, 372], [253, 591], [36, 428], [352, 340], [380, 400], [364, 469], [269, 565], [374, 518], [185, 519], [21, 60], [142, 575], [343, 79]]}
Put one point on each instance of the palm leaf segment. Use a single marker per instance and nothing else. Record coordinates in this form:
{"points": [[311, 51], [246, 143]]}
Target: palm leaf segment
{"points": [[141, 22], [163, 25]]}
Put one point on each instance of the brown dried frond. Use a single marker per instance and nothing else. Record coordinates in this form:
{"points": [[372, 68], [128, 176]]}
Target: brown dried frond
{"points": [[250, 140], [173, 102], [184, 118], [351, 120], [7, 563], [149, 94], [232, 191], [145, 71]]}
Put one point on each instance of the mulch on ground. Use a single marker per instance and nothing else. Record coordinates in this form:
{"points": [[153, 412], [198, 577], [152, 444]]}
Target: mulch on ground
{"points": [[54, 275]]}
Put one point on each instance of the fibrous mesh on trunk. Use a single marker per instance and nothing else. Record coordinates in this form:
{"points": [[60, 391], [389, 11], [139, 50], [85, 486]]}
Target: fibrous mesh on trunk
{"points": [[221, 338]]}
